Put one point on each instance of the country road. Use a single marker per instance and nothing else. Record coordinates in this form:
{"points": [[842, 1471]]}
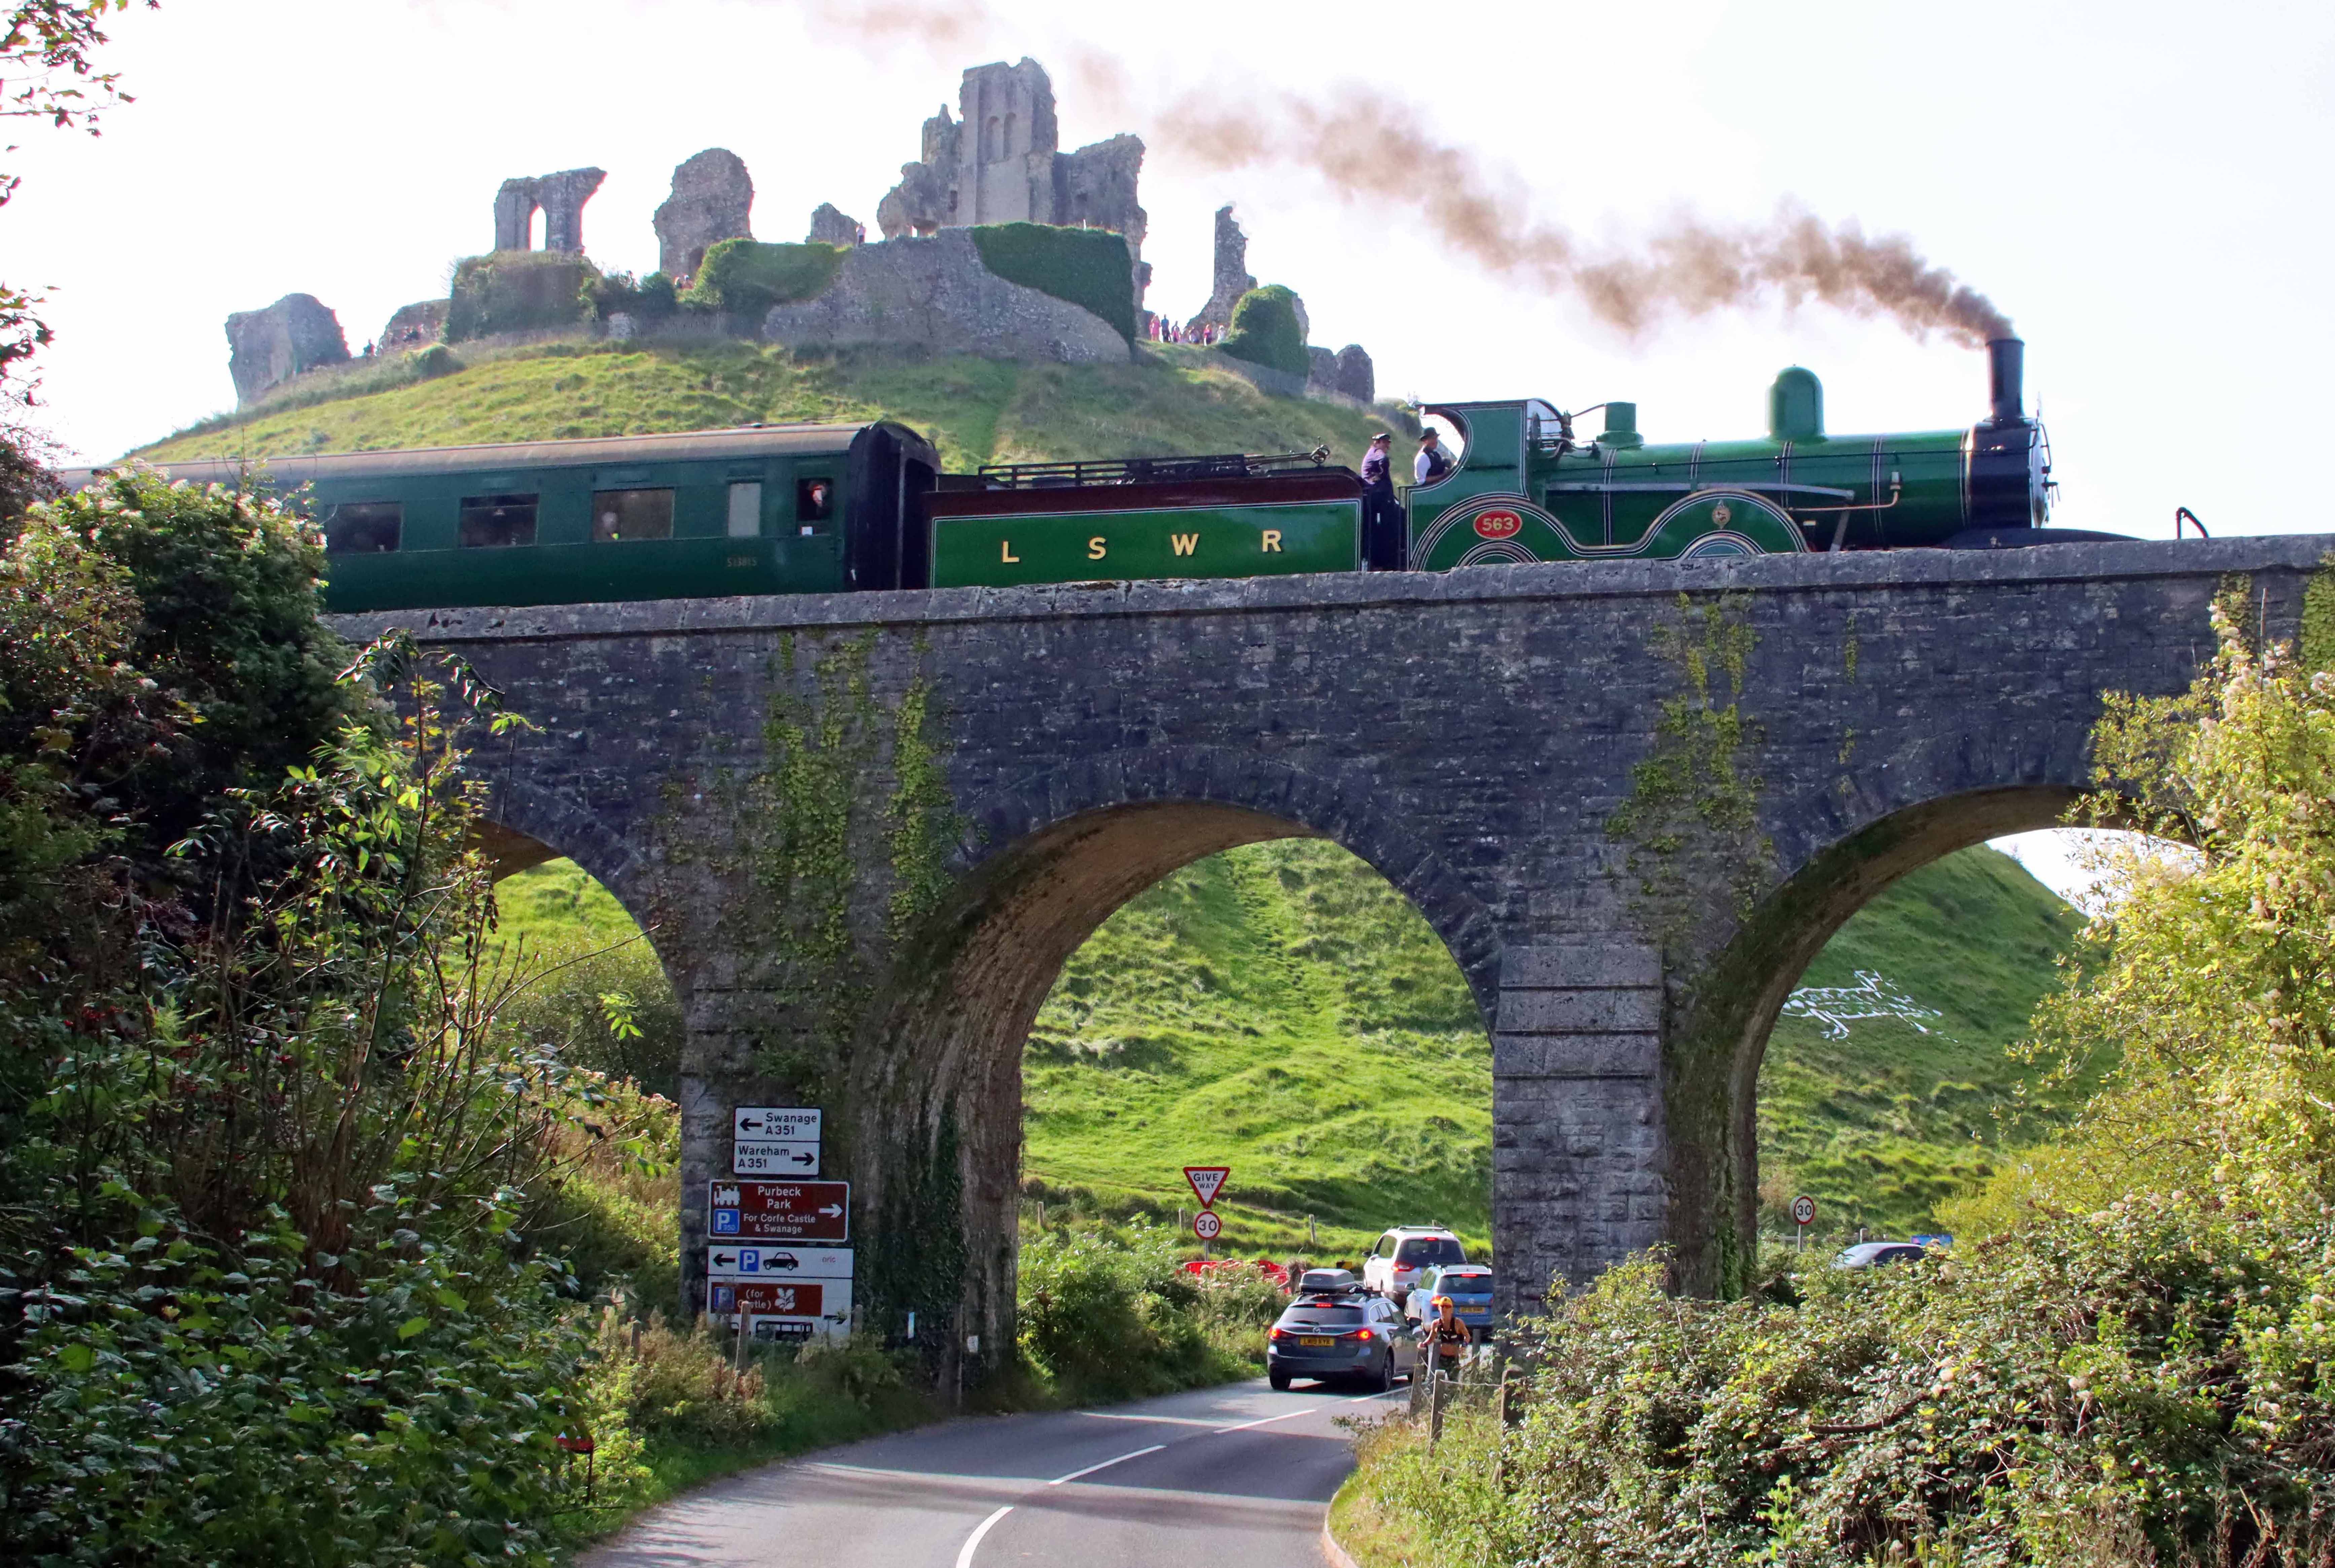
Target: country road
{"points": [[1234, 1474]]}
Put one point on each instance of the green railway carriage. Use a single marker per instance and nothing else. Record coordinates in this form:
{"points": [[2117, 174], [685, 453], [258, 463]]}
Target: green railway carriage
{"points": [[763, 510], [1526, 489], [1222, 517]]}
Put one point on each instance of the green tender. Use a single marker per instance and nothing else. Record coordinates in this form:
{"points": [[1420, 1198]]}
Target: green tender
{"points": [[1205, 541]]}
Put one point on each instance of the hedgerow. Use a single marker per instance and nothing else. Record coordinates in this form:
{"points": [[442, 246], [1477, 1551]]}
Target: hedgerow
{"points": [[267, 1165], [1088, 267], [745, 277], [518, 291], [1265, 331], [2136, 1366]]}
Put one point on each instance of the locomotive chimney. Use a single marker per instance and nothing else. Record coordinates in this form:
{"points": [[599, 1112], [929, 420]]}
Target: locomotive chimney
{"points": [[2006, 366]]}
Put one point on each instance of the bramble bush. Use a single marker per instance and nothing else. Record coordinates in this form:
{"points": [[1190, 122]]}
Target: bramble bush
{"points": [[2130, 1359]]}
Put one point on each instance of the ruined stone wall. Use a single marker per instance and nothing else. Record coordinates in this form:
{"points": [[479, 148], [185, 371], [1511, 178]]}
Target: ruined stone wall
{"points": [[935, 294], [560, 197]]}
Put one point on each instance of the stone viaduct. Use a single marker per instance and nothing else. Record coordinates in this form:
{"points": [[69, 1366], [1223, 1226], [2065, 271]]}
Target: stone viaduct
{"points": [[1634, 798]]}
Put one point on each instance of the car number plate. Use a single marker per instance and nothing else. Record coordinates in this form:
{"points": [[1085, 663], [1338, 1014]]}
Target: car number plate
{"points": [[1317, 1339]]}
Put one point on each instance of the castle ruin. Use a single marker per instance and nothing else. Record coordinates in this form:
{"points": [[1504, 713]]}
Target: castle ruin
{"points": [[1001, 162], [997, 160]]}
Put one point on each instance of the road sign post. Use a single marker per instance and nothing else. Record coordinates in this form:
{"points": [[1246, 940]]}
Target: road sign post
{"points": [[1803, 1214]]}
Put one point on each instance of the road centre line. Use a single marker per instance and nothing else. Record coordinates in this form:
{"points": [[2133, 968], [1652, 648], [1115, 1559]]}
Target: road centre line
{"points": [[1293, 1414], [1150, 1420], [1105, 1465], [964, 1554]]}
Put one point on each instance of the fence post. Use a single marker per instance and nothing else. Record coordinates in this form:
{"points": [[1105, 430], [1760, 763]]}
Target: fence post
{"points": [[1435, 1404], [1500, 1435]]}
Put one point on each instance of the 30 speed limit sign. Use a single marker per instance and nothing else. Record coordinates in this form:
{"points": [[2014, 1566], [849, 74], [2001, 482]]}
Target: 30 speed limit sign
{"points": [[1804, 1211], [1206, 1226]]}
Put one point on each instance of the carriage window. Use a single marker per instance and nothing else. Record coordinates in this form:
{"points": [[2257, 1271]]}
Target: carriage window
{"points": [[746, 509], [489, 522], [363, 527], [623, 515], [814, 500]]}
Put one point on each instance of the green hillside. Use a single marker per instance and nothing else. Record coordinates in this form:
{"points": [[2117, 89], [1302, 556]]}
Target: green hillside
{"points": [[1171, 398], [1879, 1118]]}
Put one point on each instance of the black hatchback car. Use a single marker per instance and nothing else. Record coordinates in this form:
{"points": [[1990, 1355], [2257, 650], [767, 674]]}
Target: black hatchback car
{"points": [[1348, 1336]]}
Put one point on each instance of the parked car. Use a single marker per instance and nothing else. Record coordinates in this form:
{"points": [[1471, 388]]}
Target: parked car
{"points": [[1404, 1253], [1345, 1336], [1470, 1286], [1877, 1254]]}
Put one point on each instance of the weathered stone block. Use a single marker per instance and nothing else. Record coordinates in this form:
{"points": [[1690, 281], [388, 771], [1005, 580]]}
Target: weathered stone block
{"points": [[1579, 1011], [713, 201], [267, 348]]}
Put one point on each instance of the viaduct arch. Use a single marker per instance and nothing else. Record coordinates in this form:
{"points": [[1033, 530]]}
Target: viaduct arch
{"points": [[1633, 800]]}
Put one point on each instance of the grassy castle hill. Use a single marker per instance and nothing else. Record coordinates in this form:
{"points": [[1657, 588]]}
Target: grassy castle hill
{"points": [[1278, 1008], [1170, 399]]}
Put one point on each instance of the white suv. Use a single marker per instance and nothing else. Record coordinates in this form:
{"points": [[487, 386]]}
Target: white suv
{"points": [[1404, 1255]]}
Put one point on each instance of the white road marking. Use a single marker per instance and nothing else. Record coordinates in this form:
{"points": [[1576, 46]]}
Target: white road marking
{"points": [[1105, 1465], [964, 1554], [1148, 1420]]}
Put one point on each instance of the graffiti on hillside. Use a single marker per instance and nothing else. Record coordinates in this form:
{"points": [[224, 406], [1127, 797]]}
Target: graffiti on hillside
{"points": [[1838, 1006]]}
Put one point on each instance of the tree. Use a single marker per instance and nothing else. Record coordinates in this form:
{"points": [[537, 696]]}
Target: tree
{"points": [[47, 72]]}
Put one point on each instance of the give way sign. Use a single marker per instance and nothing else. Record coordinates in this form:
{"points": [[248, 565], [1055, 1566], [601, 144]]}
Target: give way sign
{"points": [[1207, 1181]]}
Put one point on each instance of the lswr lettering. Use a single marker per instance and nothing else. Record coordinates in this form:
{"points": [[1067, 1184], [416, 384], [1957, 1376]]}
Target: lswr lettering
{"points": [[1273, 540], [1184, 543]]}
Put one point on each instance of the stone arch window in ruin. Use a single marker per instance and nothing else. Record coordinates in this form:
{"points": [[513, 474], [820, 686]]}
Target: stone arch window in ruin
{"points": [[993, 145]]}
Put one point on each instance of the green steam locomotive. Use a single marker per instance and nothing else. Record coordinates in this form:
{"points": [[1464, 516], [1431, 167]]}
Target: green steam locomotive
{"points": [[828, 509]]}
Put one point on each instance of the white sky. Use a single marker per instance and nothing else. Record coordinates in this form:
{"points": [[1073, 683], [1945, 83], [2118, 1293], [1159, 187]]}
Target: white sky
{"points": [[2143, 186]]}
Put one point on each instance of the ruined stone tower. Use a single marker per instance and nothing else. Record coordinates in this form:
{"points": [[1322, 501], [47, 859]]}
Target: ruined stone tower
{"points": [[1000, 162], [1231, 277], [712, 195]]}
